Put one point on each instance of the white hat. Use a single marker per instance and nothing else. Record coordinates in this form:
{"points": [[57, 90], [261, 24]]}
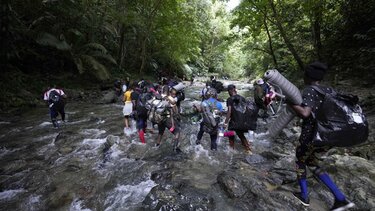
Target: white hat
{"points": [[260, 81]]}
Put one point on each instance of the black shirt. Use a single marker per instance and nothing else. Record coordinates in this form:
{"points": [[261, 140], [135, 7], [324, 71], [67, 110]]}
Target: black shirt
{"points": [[313, 99]]}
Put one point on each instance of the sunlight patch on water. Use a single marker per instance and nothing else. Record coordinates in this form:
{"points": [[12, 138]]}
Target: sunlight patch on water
{"points": [[48, 137], [199, 152], [32, 203], [100, 122], [89, 149], [93, 132], [127, 196], [44, 124], [4, 151], [116, 151], [77, 206], [9, 194], [76, 122], [262, 139], [118, 105], [92, 144]]}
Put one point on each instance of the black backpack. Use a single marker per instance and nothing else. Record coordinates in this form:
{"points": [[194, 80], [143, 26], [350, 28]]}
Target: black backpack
{"points": [[340, 121], [244, 114], [54, 97], [142, 106]]}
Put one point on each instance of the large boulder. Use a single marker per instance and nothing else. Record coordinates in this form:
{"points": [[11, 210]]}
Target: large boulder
{"points": [[109, 97]]}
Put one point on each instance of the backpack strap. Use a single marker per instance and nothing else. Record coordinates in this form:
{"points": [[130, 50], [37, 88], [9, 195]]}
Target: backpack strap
{"points": [[319, 90]]}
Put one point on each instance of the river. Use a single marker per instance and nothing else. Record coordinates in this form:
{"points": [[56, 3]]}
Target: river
{"points": [[89, 164]]}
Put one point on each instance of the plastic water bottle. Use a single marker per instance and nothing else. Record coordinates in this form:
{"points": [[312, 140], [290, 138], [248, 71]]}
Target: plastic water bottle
{"points": [[221, 131], [250, 136]]}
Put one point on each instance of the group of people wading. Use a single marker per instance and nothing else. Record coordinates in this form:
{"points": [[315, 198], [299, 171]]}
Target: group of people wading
{"points": [[160, 104]]}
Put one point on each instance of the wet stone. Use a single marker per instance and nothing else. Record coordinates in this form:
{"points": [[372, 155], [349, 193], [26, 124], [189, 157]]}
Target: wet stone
{"points": [[232, 187]]}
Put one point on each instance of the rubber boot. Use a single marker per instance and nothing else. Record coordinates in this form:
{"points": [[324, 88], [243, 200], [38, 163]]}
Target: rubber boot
{"points": [[141, 135]]}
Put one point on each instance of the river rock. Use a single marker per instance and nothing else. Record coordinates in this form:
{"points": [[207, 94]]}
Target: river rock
{"points": [[166, 198], [109, 97], [231, 185]]}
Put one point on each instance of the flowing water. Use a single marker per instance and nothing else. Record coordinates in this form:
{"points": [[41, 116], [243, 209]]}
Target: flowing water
{"points": [[89, 164]]}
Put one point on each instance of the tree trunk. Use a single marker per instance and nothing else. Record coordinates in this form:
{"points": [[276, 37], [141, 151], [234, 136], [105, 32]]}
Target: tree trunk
{"points": [[121, 52], [143, 55], [149, 28], [270, 41], [317, 20], [288, 43]]}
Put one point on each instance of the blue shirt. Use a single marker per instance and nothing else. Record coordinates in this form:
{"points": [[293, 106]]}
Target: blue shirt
{"points": [[212, 100]]}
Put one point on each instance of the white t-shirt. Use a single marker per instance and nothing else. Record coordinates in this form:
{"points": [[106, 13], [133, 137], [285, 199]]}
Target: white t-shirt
{"points": [[124, 88], [46, 94]]}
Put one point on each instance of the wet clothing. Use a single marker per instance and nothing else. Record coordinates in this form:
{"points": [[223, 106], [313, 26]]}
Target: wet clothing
{"points": [[204, 91], [213, 100], [127, 96], [168, 124], [260, 95], [128, 107], [55, 108], [307, 154], [306, 151], [141, 123], [213, 137], [54, 112], [47, 93], [213, 133], [240, 134]]}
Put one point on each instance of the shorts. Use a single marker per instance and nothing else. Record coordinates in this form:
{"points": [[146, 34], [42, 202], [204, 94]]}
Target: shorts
{"points": [[141, 123], [128, 108], [168, 124]]}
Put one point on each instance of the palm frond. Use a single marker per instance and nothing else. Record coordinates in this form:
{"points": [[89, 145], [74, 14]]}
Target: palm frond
{"points": [[94, 46], [106, 57], [47, 39], [96, 68]]}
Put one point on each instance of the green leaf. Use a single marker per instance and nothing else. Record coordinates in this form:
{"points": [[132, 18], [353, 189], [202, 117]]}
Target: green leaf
{"points": [[47, 39], [95, 68]]}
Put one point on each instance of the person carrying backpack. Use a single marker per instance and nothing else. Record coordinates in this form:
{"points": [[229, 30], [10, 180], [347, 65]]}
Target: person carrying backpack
{"points": [[307, 153], [263, 96], [141, 108], [233, 121], [210, 109], [165, 114], [55, 98], [204, 91]]}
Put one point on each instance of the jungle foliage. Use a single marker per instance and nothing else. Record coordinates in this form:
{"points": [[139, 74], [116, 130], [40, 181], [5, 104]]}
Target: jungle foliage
{"points": [[102, 39]]}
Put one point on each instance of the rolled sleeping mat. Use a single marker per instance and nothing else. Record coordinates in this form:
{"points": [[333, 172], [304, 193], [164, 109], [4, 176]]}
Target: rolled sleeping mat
{"points": [[281, 121], [291, 93], [180, 86]]}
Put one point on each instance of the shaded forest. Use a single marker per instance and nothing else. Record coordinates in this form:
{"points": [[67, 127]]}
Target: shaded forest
{"points": [[82, 43]]}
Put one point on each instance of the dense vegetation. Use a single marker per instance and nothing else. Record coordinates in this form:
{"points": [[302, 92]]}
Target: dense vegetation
{"points": [[74, 42]]}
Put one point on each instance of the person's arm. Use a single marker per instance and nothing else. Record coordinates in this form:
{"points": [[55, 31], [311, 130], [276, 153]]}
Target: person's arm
{"points": [[197, 108], [172, 117], [227, 118], [301, 111]]}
